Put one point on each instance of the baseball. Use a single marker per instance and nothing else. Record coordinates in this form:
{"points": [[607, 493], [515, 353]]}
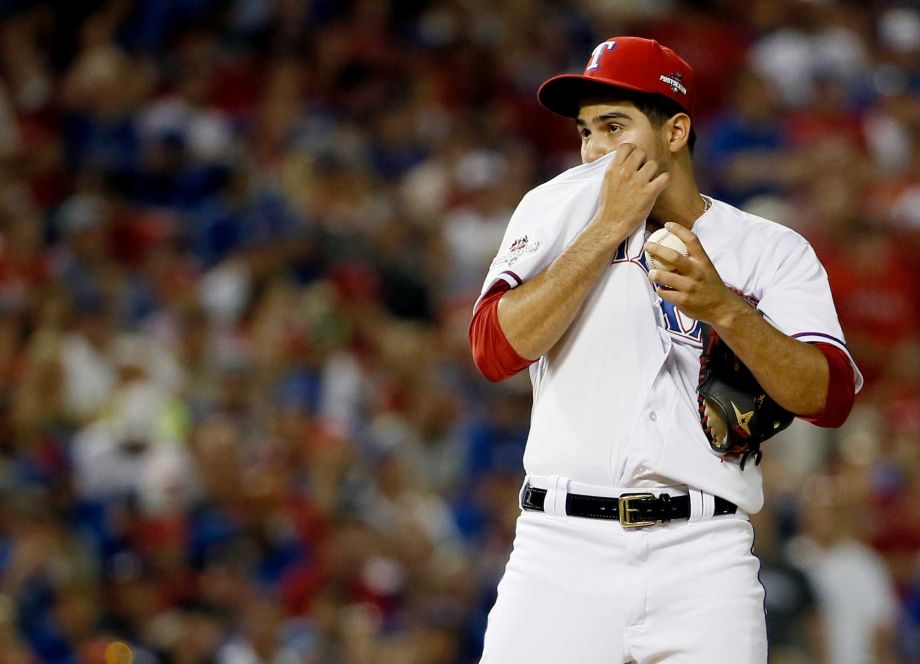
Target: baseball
{"points": [[665, 239]]}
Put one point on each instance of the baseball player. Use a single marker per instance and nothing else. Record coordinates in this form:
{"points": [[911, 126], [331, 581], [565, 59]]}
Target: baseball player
{"points": [[633, 544]]}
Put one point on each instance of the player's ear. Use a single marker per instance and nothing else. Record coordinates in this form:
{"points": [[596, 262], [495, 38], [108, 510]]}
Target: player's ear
{"points": [[677, 132]]}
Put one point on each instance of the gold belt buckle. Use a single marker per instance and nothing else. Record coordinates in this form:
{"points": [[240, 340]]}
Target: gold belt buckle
{"points": [[625, 509]]}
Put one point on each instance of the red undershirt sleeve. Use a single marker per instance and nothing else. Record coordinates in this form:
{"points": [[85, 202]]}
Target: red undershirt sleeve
{"points": [[841, 389], [496, 359], [493, 354]]}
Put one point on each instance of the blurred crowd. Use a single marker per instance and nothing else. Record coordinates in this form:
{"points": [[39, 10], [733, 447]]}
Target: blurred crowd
{"points": [[240, 241]]}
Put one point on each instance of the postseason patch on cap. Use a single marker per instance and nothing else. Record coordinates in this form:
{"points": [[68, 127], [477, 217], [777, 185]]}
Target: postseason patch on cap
{"points": [[675, 80]]}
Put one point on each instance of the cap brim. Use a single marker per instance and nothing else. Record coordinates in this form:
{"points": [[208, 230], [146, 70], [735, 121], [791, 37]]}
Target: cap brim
{"points": [[564, 94]]}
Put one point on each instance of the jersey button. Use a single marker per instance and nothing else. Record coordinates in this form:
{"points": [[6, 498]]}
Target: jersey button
{"points": [[653, 416]]}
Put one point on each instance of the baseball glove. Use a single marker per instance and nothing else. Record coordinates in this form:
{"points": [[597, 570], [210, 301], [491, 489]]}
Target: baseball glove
{"points": [[736, 413]]}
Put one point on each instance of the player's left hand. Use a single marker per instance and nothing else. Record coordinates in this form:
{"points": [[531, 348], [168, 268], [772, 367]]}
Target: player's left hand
{"points": [[694, 286]]}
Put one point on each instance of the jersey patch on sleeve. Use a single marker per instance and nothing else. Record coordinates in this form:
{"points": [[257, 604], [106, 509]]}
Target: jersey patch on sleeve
{"points": [[519, 248]]}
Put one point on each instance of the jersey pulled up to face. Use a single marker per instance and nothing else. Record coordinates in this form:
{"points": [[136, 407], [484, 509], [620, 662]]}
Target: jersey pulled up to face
{"points": [[615, 399]]}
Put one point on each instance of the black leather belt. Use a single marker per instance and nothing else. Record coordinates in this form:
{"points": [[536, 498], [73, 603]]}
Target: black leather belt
{"points": [[631, 509]]}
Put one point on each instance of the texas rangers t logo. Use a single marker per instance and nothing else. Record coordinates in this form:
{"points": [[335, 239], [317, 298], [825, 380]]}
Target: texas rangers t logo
{"points": [[598, 51]]}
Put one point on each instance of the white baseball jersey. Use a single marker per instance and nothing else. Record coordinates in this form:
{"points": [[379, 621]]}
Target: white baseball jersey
{"points": [[615, 400]]}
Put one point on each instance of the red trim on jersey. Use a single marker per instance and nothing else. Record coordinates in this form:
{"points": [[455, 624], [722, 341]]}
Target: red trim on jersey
{"points": [[496, 359], [493, 354], [841, 388]]}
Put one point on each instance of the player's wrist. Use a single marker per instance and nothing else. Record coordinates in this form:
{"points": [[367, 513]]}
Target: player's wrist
{"points": [[728, 316], [609, 232]]}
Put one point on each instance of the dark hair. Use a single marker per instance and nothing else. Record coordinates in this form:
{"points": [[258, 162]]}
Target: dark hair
{"points": [[658, 110]]}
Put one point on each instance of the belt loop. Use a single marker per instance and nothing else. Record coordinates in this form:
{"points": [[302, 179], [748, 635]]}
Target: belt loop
{"points": [[696, 505], [556, 492], [702, 505], [709, 505]]}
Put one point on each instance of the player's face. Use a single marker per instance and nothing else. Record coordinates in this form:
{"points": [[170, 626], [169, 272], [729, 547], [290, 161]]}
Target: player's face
{"points": [[603, 125]]}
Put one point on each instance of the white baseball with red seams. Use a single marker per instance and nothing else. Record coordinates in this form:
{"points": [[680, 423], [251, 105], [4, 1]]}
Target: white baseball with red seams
{"points": [[667, 239], [615, 411]]}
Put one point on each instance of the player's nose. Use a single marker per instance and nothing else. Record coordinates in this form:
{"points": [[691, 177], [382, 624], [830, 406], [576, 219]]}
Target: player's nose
{"points": [[594, 151]]}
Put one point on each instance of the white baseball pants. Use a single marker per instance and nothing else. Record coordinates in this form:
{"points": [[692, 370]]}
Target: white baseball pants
{"points": [[588, 591]]}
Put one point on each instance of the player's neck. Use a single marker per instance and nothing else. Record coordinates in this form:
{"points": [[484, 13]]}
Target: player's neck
{"points": [[681, 202]]}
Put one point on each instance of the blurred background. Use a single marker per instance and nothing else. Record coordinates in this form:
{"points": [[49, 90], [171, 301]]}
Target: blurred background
{"points": [[240, 241]]}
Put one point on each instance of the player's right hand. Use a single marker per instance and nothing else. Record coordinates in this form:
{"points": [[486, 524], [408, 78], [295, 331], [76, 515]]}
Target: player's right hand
{"points": [[630, 188]]}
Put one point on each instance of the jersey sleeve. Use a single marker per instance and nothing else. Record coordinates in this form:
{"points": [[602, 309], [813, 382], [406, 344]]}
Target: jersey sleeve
{"points": [[841, 388], [798, 301], [539, 230], [493, 354]]}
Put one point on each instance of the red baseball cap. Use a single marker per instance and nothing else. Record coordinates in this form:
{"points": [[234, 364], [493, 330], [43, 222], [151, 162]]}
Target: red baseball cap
{"points": [[631, 63]]}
